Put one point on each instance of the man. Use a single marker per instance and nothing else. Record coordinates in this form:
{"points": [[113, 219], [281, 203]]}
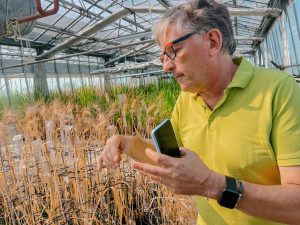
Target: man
{"points": [[238, 125]]}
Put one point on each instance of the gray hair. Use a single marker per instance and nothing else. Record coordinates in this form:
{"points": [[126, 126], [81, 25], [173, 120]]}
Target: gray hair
{"points": [[199, 15]]}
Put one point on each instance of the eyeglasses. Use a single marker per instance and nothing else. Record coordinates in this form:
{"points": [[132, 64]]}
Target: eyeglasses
{"points": [[169, 50]]}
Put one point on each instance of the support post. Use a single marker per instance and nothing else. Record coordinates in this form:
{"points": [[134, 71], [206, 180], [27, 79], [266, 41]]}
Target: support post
{"points": [[40, 79]]}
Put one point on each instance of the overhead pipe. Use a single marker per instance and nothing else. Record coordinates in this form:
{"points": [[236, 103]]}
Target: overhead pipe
{"points": [[274, 12], [244, 38], [41, 12]]}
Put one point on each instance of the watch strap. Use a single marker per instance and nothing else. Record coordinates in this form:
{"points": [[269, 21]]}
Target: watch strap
{"points": [[231, 183], [241, 188]]}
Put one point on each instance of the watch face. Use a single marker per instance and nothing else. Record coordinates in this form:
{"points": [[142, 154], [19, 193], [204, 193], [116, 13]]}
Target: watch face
{"points": [[229, 199]]}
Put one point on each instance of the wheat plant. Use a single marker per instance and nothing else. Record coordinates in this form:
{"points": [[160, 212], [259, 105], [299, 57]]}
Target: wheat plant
{"points": [[49, 153]]}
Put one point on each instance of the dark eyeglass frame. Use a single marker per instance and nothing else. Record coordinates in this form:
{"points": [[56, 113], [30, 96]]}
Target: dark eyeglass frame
{"points": [[171, 44]]}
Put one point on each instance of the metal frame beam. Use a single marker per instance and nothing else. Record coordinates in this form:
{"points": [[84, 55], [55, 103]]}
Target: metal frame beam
{"points": [[164, 3], [81, 53]]}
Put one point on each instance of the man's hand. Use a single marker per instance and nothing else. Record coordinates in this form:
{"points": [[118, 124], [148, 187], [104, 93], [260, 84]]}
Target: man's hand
{"points": [[119, 144], [115, 146], [187, 175]]}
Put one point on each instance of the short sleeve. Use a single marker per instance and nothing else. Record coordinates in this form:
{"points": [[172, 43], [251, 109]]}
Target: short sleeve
{"points": [[285, 133]]}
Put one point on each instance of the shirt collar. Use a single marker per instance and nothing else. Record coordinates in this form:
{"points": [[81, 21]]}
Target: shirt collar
{"points": [[243, 74]]}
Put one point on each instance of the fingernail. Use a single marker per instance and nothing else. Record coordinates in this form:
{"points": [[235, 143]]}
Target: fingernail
{"points": [[116, 159]]}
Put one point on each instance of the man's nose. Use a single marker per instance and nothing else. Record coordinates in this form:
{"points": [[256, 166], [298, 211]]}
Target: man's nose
{"points": [[168, 65]]}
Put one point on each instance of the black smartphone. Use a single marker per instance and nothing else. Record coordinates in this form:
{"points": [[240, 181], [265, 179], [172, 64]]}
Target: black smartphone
{"points": [[164, 139]]}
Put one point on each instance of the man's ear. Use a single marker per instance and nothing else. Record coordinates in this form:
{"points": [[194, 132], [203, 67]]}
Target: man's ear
{"points": [[215, 41]]}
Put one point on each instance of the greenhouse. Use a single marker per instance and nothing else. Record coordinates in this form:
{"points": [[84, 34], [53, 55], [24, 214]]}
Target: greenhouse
{"points": [[73, 73]]}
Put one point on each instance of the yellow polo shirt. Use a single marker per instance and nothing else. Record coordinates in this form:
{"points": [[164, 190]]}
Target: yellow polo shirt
{"points": [[253, 129]]}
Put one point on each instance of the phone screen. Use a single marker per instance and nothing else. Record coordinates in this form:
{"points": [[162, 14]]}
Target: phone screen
{"points": [[165, 140]]}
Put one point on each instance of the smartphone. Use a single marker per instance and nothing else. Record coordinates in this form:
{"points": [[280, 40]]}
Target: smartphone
{"points": [[164, 139]]}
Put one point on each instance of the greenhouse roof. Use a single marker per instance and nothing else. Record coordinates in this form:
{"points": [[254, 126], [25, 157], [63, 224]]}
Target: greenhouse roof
{"points": [[115, 29]]}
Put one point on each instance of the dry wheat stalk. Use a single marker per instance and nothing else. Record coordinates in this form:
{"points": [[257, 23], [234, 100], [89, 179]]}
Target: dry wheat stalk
{"points": [[50, 177]]}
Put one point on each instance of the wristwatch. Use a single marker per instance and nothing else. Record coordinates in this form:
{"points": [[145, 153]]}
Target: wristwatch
{"points": [[231, 195]]}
